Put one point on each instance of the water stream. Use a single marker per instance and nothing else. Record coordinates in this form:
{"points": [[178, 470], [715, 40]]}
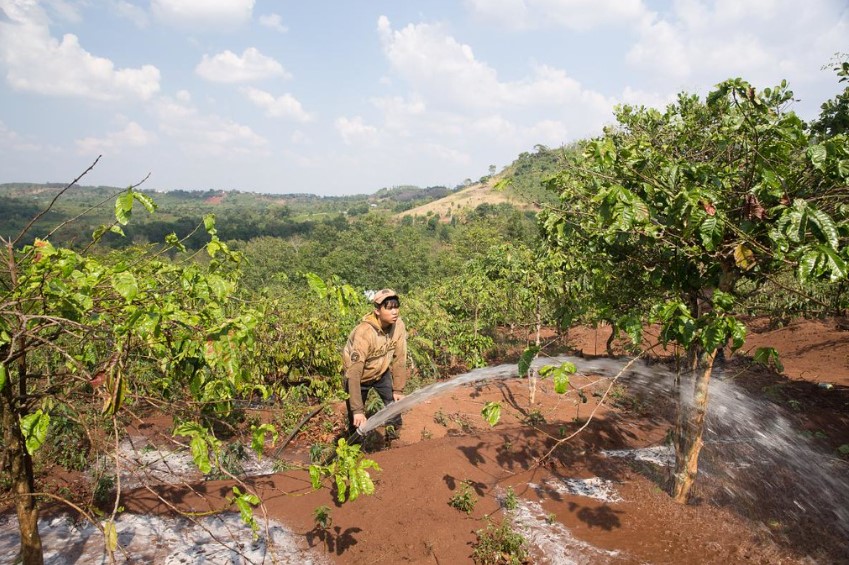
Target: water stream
{"points": [[754, 452], [601, 366]]}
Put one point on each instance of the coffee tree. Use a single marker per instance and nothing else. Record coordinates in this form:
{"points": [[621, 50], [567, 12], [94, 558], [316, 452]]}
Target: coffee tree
{"points": [[676, 208], [82, 333]]}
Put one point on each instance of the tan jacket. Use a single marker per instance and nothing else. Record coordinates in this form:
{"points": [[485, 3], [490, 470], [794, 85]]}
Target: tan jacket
{"points": [[369, 352]]}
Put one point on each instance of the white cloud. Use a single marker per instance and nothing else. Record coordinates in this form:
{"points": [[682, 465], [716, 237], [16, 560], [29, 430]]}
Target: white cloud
{"points": [[205, 135], [133, 135], [578, 15], [700, 43], [203, 14], [273, 21], [445, 74], [355, 130], [637, 97], [286, 106], [37, 62], [231, 68]]}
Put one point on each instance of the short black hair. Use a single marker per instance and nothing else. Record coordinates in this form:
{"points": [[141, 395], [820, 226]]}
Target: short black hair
{"points": [[390, 302]]}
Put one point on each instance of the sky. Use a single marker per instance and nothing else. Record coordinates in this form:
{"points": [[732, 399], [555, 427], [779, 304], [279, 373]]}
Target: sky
{"points": [[336, 98]]}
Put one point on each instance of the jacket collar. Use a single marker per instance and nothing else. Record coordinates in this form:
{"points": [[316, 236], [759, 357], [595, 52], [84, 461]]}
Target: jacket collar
{"points": [[373, 321]]}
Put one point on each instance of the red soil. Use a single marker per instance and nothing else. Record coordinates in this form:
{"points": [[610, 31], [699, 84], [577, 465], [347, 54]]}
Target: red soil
{"points": [[445, 442]]}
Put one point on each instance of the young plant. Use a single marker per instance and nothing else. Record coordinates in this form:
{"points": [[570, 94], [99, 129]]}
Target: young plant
{"points": [[500, 544], [348, 471], [463, 500], [322, 518], [511, 501]]}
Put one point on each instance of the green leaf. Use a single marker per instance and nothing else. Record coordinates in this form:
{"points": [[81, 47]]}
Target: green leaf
{"points": [[145, 201], [825, 230], [316, 472], [710, 231], [124, 207], [491, 412], [172, 240], [3, 376], [818, 155], [201, 442], [806, 270], [526, 359], [34, 429], [768, 355], [126, 285], [714, 335], [738, 333], [209, 224], [245, 503], [317, 285], [561, 382], [835, 264], [200, 454], [258, 434]]}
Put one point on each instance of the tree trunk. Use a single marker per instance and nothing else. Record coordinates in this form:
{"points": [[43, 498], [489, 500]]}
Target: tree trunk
{"points": [[614, 333], [19, 464], [690, 424], [532, 376]]}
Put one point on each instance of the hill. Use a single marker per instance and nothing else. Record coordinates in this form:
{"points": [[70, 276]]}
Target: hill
{"points": [[467, 199]]}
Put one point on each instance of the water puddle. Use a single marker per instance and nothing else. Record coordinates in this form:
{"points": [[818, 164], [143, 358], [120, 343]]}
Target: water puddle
{"points": [[551, 542], [594, 487], [660, 455]]}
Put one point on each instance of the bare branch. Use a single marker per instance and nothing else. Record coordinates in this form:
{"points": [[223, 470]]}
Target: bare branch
{"points": [[52, 202]]}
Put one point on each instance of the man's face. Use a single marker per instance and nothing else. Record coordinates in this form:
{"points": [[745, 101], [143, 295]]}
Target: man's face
{"points": [[387, 312]]}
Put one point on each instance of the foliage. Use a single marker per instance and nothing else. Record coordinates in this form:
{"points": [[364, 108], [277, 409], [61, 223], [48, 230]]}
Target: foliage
{"points": [[768, 357], [500, 544], [510, 502], [834, 114], [463, 500], [321, 516], [491, 412], [245, 502], [669, 212], [348, 471]]}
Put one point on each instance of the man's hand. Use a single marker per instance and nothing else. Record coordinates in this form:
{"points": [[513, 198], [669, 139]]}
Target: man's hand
{"points": [[397, 396], [359, 420]]}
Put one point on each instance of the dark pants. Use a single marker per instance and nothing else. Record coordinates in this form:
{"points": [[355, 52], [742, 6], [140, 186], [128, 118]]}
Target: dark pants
{"points": [[383, 386]]}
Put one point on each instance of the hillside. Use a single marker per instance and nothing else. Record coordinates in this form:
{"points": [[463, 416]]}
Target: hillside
{"points": [[467, 199]]}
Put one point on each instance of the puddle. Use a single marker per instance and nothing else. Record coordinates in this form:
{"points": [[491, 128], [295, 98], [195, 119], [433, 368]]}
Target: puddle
{"points": [[660, 455], [552, 543], [594, 487]]}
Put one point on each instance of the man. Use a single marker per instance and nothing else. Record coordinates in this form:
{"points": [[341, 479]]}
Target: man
{"points": [[376, 357]]}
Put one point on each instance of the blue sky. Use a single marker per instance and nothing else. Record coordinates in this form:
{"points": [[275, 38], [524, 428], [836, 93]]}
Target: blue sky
{"points": [[348, 97]]}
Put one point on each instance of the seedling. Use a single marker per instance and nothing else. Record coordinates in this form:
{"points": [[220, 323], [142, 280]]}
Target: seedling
{"points": [[463, 500], [500, 544], [322, 517], [511, 501]]}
